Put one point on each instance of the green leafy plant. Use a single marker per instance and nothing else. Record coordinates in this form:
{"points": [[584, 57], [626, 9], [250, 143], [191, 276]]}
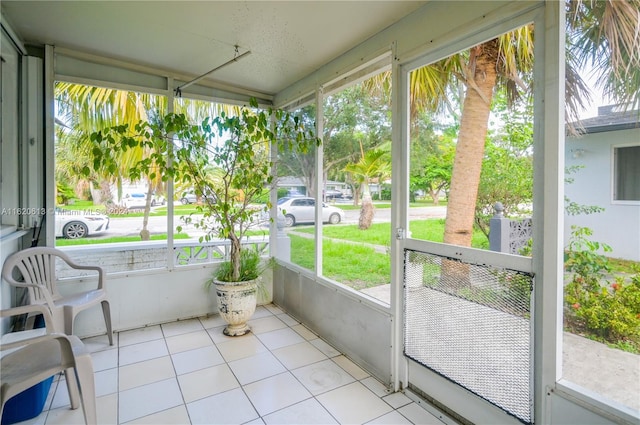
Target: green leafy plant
{"points": [[225, 159], [594, 305], [251, 267]]}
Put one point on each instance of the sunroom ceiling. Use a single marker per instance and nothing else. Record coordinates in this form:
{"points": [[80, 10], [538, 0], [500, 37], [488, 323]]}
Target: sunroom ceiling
{"points": [[288, 40]]}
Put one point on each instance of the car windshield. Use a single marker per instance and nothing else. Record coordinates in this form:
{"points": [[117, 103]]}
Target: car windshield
{"points": [[282, 201]]}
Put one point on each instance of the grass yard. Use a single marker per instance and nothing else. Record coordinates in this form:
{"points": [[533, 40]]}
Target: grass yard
{"points": [[115, 239], [380, 233], [353, 265]]}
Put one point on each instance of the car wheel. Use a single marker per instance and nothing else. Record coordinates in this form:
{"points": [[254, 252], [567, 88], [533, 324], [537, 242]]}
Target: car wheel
{"points": [[75, 230], [334, 218], [184, 201], [289, 220]]}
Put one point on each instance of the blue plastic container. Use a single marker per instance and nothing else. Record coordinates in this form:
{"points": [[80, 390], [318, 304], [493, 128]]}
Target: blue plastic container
{"points": [[28, 404]]}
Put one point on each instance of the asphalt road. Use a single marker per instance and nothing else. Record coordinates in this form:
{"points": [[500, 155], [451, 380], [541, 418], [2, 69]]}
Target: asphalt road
{"points": [[131, 226]]}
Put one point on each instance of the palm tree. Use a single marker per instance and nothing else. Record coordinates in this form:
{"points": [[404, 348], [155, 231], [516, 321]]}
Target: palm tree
{"points": [[603, 34], [86, 109], [373, 164]]}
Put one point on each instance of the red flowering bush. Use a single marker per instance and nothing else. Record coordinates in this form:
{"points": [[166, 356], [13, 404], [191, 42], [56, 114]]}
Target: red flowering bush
{"points": [[610, 311]]}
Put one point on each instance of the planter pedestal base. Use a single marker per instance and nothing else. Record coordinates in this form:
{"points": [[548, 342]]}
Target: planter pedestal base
{"points": [[236, 330]]}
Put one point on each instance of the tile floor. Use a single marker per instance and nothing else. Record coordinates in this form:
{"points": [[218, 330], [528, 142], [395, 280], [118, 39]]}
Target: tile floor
{"points": [[188, 372]]}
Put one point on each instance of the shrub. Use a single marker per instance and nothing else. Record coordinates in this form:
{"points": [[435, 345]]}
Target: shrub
{"points": [[609, 311]]}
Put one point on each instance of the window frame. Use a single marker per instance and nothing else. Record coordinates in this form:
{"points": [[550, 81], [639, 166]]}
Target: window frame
{"points": [[614, 174]]}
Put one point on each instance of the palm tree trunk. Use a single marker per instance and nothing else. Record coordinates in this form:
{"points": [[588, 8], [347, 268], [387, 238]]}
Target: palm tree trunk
{"points": [[467, 165], [367, 210], [145, 235]]}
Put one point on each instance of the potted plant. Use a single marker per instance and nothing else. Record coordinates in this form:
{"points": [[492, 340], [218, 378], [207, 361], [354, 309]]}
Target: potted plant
{"points": [[226, 160]]}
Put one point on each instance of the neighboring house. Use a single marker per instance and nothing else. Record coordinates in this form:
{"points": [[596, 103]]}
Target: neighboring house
{"points": [[609, 156]]}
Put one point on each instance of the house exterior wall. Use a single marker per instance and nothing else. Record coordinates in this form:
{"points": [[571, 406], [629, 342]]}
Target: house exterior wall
{"points": [[619, 224]]}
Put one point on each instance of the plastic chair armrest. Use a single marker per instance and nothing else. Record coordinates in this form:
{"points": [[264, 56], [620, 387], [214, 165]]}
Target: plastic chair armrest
{"points": [[31, 308], [100, 270]]}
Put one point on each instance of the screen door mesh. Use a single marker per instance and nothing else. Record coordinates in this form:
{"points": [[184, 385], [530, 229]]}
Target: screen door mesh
{"points": [[471, 324]]}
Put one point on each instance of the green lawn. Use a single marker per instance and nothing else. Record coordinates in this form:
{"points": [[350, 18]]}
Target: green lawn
{"points": [[115, 239], [380, 233], [353, 265]]}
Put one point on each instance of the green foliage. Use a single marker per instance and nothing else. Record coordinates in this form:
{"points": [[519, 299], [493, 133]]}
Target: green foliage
{"points": [[64, 193], [431, 159], [507, 167], [608, 311], [250, 268], [225, 159]]}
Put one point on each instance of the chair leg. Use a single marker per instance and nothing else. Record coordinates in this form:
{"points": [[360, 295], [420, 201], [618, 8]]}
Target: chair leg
{"points": [[69, 317], [72, 387], [106, 311], [84, 374]]}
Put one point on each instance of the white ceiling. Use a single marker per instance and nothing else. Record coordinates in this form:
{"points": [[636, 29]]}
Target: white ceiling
{"points": [[288, 40]]}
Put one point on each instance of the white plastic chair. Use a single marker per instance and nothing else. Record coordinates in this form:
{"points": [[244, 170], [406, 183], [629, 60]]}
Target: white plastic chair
{"points": [[30, 357], [37, 266]]}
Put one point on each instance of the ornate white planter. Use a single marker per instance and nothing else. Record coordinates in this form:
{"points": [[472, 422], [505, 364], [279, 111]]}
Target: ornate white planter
{"points": [[236, 304]]}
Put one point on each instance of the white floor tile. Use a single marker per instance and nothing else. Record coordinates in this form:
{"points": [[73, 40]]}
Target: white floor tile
{"points": [[266, 324], [143, 401], [273, 309], [107, 359], [175, 415], [107, 409], [257, 367], [217, 336], [290, 321], [376, 386], [397, 400], [261, 311], [275, 393], [106, 382], [280, 338], [189, 341], [231, 407], [354, 404], [207, 382], [391, 418], [213, 321], [240, 347], [65, 416], [146, 372], [189, 372], [352, 368], [305, 412], [298, 355], [328, 350], [181, 327], [144, 351], [200, 358], [136, 336], [99, 343], [61, 396], [322, 376], [418, 415], [304, 332]]}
